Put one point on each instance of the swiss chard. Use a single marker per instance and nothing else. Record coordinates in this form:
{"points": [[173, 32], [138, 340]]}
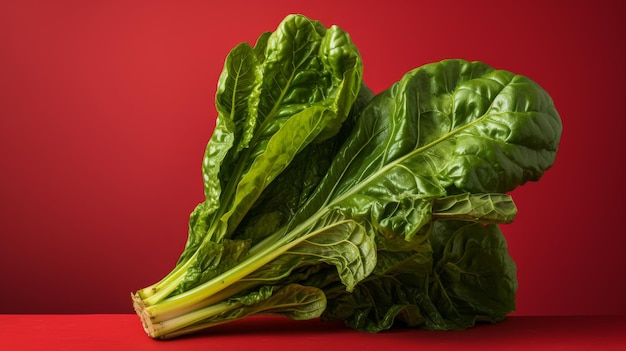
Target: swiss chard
{"points": [[322, 200]]}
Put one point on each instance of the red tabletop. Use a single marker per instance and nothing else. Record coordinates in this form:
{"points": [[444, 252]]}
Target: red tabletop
{"points": [[120, 332]]}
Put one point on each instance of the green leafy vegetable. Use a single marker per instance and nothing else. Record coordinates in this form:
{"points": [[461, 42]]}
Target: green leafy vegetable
{"points": [[325, 200]]}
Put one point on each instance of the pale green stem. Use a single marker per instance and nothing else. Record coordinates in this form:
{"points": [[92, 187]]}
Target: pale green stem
{"points": [[195, 296], [165, 288], [168, 326]]}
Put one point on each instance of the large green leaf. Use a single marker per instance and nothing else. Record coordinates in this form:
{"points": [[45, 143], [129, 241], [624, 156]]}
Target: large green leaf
{"points": [[436, 133], [474, 275]]}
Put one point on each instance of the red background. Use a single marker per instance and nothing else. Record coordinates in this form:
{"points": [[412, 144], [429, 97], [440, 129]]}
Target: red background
{"points": [[106, 107]]}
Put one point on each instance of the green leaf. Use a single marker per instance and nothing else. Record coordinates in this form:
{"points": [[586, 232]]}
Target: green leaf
{"points": [[294, 301], [342, 243], [237, 94], [413, 144], [475, 276], [345, 244]]}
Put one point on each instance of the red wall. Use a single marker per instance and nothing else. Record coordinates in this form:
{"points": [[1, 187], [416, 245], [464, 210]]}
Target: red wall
{"points": [[106, 106]]}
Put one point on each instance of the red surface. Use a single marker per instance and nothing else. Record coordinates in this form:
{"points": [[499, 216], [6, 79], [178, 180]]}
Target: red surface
{"points": [[106, 107], [123, 332]]}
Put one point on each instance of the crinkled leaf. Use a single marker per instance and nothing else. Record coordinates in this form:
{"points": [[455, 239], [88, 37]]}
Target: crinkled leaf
{"points": [[415, 142], [344, 244], [475, 276]]}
